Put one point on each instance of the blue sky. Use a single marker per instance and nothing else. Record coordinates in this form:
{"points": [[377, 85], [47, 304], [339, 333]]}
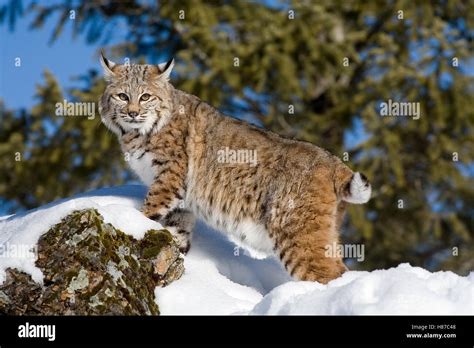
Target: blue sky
{"points": [[65, 58]]}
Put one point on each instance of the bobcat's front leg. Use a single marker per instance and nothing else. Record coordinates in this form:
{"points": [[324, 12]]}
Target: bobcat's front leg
{"points": [[161, 200], [162, 203]]}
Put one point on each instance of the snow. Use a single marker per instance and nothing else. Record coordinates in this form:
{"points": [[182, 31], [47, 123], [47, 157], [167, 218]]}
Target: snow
{"points": [[221, 278], [401, 290], [119, 206]]}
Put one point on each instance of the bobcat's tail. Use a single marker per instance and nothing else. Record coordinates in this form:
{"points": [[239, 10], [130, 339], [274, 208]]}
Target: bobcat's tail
{"points": [[352, 187], [357, 190]]}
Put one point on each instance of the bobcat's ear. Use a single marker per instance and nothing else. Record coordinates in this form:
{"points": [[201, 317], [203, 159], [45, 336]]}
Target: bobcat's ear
{"points": [[165, 69], [107, 65]]}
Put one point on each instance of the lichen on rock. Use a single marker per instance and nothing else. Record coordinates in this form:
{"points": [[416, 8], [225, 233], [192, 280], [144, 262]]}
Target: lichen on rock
{"points": [[92, 268]]}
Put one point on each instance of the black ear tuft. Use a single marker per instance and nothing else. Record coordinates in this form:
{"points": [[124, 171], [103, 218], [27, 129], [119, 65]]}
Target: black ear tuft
{"points": [[168, 64], [166, 68], [107, 65]]}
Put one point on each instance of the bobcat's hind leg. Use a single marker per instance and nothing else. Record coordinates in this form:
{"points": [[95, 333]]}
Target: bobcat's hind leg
{"points": [[180, 223], [302, 244]]}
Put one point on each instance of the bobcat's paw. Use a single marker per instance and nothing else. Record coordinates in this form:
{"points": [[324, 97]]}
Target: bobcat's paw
{"points": [[152, 214], [181, 237]]}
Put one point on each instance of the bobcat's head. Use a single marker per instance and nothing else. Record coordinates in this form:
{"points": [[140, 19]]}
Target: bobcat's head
{"points": [[137, 96]]}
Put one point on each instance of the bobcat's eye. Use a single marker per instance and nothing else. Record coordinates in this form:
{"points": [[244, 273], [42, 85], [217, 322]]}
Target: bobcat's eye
{"points": [[123, 96], [145, 97]]}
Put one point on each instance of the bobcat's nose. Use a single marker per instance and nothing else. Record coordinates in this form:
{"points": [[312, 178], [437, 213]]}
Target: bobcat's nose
{"points": [[133, 114]]}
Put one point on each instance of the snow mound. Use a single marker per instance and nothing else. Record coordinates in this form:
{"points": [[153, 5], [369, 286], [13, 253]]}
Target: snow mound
{"points": [[19, 233], [402, 290], [221, 278]]}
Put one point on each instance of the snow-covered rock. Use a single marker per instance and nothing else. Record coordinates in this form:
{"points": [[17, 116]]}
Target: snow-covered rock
{"points": [[220, 278], [19, 233]]}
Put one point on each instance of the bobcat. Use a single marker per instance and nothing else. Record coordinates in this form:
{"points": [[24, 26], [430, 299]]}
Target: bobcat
{"points": [[287, 201]]}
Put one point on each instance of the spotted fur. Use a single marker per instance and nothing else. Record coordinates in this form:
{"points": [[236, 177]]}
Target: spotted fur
{"points": [[290, 203]]}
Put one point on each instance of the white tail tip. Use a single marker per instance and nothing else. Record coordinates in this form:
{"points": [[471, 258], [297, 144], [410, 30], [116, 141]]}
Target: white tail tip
{"points": [[359, 189]]}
